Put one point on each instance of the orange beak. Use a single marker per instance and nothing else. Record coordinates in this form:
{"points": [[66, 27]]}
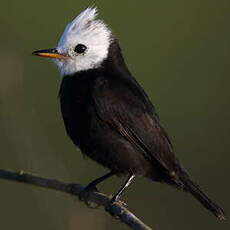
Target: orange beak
{"points": [[50, 53]]}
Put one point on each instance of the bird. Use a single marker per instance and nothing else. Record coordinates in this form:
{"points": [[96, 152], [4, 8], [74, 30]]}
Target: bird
{"points": [[107, 113]]}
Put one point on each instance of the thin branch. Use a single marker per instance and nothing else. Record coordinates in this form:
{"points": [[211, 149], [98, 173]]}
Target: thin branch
{"points": [[116, 209]]}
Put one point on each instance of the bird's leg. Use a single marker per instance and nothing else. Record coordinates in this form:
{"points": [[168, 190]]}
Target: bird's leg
{"points": [[92, 187], [122, 189]]}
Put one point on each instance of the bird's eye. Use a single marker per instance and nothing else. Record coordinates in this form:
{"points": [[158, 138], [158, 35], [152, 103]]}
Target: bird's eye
{"points": [[80, 48]]}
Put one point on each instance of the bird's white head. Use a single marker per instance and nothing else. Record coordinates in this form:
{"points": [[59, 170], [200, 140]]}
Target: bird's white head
{"points": [[83, 45]]}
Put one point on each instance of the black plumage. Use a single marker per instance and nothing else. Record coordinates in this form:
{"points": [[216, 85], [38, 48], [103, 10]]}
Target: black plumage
{"points": [[110, 118]]}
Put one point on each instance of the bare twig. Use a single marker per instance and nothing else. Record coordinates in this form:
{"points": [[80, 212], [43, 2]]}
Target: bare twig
{"points": [[115, 209]]}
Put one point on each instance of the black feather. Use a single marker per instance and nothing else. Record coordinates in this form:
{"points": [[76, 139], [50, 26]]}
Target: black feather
{"points": [[110, 117]]}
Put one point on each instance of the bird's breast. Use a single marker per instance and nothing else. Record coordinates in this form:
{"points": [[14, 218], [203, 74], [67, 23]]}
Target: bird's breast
{"points": [[75, 100]]}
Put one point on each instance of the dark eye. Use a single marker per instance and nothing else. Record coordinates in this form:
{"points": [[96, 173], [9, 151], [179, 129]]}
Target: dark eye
{"points": [[80, 48]]}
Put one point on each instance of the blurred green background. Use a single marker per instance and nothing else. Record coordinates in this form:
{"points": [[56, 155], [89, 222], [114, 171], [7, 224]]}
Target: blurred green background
{"points": [[178, 50]]}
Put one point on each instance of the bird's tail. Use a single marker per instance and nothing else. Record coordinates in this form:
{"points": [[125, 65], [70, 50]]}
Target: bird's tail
{"points": [[194, 189]]}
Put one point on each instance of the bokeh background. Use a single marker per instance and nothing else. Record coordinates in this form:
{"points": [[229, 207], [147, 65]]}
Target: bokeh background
{"points": [[178, 50]]}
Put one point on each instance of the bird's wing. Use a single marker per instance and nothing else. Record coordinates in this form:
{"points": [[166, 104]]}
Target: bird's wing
{"points": [[129, 112]]}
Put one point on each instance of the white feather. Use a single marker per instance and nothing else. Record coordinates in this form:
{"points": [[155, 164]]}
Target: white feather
{"points": [[87, 30]]}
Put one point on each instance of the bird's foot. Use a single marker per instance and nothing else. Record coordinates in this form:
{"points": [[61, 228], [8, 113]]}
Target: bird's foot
{"points": [[116, 200], [85, 195], [111, 207]]}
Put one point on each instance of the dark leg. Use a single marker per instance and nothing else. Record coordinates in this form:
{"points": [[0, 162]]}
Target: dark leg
{"points": [[122, 189], [83, 196], [94, 183]]}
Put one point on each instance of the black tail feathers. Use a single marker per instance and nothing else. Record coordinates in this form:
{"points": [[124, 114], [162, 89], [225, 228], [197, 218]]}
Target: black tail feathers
{"points": [[194, 189]]}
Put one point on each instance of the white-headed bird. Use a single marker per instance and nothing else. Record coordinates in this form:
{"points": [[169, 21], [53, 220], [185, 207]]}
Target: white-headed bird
{"points": [[108, 115]]}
